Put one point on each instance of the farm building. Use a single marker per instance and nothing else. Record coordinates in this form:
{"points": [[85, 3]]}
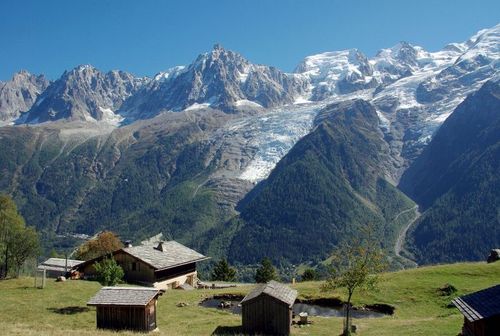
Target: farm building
{"points": [[167, 265], [268, 309], [55, 267], [126, 308], [481, 312]]}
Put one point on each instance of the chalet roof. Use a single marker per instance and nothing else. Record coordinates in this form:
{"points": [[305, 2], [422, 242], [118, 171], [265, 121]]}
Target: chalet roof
{"points": [[480, 305], [124, 296], [58, 264], [274, 289], [172, 254]]}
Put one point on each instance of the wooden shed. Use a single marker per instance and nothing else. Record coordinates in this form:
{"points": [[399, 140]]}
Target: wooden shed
{"points": [[481, 312], [268, 309], [126, 308]]}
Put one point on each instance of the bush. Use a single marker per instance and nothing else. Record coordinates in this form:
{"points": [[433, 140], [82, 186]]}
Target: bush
{"points": [[309, 275], [109, 273]]}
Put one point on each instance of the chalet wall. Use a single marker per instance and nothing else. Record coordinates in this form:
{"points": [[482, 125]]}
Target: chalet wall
{"points": [[135, 270]]}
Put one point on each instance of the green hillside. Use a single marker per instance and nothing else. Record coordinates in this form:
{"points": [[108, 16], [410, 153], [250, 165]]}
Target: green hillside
{"points": [[420, 308], [66, 181], [456, 181], [329, 186]]}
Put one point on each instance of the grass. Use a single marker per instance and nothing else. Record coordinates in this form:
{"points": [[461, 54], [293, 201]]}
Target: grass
{"points": [[420, 310]]}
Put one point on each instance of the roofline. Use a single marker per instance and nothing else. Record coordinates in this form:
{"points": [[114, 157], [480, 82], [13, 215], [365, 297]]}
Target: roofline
{"points": [[136, 258], [275, 298], [86, 262], [470, 313], [181, 264], [159, 293]]}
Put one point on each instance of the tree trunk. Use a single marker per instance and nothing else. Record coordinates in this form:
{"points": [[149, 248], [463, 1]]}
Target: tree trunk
{"points": [[347, 328], [6, 267]]}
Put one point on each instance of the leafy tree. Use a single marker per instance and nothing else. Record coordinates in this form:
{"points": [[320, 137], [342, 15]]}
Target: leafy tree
{"points": [[266, 272], [223, 272], [309, 275], [17, 242], [106, 242], [109, 273], [354, 267]]}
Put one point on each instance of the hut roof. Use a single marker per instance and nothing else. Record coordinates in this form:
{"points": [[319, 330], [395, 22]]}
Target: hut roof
{"points": [[275, 290], [124, 296], [172, 254], [480, 305], [58, 264]]}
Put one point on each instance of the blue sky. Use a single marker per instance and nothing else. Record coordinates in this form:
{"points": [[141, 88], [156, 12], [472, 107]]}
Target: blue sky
{"points": [[146, 36]]}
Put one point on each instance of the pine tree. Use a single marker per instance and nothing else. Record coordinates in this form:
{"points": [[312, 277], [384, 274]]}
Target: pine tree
{"points": [[266, 272], [223, 272]]}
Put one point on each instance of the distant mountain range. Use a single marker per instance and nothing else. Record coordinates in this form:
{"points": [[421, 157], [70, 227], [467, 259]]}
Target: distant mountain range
{"points": [[232, 157]]}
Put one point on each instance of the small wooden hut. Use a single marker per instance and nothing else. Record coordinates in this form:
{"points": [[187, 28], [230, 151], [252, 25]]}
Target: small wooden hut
{"points": [[481, 312], [126, 308], [268, 309]]}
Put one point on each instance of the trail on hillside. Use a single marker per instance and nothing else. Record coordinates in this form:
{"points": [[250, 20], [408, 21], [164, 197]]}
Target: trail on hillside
{"points": [[398, 247]]}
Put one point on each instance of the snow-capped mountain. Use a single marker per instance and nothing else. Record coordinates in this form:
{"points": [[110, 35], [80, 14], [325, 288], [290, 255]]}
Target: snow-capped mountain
{"points": [[413, 90], [220, 79], [337, 72], [19, 94], [84, 93]]}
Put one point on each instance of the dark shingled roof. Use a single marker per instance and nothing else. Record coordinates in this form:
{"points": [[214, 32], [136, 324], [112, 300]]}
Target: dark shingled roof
{"points": [[480, 305], [173, 254], [124, 296], [274, 289]]}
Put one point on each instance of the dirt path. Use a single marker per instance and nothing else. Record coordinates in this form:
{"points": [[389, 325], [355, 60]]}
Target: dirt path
{"points": [[398, 247]]}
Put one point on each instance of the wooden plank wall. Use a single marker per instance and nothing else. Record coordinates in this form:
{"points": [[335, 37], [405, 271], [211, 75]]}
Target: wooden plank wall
{"points": [[122, 318], [266, 315]]}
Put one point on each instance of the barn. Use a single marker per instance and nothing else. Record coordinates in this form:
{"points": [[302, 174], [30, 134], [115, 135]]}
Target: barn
{"points": [[268, 309], [126, 308], [481, 312], [166, 265], [55, 267]]}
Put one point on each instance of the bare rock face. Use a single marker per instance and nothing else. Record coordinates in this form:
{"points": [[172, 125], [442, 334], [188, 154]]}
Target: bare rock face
{"points": [[221, 79], [19, 94], [84, 93]]}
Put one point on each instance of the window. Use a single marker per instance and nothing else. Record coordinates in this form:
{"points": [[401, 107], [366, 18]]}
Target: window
{"points": [[134, 266]]}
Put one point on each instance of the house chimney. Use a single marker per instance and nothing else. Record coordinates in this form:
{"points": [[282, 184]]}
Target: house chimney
{"points": [[160, 246], [127, 243]]}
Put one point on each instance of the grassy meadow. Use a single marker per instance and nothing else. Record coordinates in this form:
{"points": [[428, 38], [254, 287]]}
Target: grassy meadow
{"points": [[420, 309]]}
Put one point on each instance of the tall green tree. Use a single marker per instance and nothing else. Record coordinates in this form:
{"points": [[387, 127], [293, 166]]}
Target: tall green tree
{"points": [[17, 242], [222, 271], [354, 266], [266, 272]]}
